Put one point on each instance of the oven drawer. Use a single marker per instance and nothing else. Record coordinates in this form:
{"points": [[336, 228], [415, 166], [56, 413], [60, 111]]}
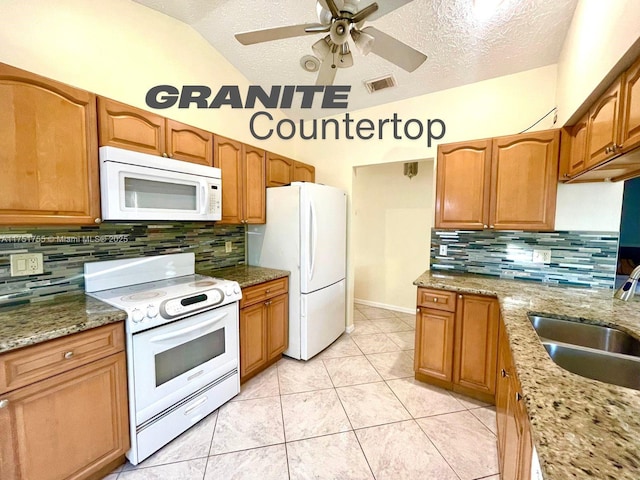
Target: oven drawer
{"points": [[263, 291], [31, 364], [438, 299]]}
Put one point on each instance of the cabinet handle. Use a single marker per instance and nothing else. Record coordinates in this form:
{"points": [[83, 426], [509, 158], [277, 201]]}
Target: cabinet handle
{"points": [[518, 397], [607, 150], [503, 373], [98, 220], [268, 303], [68, 355], [486, 226], [491, 226], [418, 310], [268, 290], [460, 296], [435, 300], [165, 155], [4, 403], [566, 175]]}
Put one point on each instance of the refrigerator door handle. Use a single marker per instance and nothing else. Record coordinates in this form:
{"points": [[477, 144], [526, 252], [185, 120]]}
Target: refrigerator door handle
{"points": [[313, 239]]}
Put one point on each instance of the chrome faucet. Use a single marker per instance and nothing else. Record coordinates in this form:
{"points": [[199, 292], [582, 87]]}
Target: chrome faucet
{"points": [[628, 290]]}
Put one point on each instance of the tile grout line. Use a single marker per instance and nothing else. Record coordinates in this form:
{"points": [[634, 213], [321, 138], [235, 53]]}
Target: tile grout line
{"points": [[284, 430], [437, 449]]}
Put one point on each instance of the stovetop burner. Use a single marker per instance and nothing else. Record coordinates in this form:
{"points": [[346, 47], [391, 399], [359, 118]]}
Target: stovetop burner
{"points": [[142, 296]]}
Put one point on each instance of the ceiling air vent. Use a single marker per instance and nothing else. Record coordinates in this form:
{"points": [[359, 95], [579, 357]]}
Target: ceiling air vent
{"points": [[380, 83]]}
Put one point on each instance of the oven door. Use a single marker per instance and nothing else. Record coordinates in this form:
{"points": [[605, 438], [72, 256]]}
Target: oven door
{"points": [[172, 361]]}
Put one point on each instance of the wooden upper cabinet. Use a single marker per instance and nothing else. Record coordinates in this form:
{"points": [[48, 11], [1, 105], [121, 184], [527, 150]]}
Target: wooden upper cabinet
{"points": [[463, 185], [630, 131], [476, 344], [604, 126], [131, 128], [228, 157], [255, 183], [524, 181], [188, 143], [577, 147], [279, 170], [243, 181], [303, 172], [48, 151]]}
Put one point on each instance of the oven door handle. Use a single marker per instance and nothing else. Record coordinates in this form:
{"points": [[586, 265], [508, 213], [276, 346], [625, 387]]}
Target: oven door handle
{"points": [[185, 331]]}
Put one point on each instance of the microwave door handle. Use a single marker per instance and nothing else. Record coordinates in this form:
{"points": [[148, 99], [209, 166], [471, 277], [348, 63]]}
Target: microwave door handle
{"points": [[203, 200], [185, 331]]}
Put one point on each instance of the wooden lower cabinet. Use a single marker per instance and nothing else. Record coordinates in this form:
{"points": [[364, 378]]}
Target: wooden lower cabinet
{"points": [[457, 342], [515, 446], [71, 426], [264, 326]]}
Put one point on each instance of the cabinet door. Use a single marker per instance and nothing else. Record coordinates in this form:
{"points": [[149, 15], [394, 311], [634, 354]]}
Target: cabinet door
{"points": [[524, 181], [434, 343], [463, 183], [578, 147], [189, 144], [68, 426], [502, 393], [526, 443], [278, 325], [253, 338], [279, 170], [511, 440], [303, 172], [128, 127], [48, 152], [254, 185], [604, 126], [228, 157], [631, 109], [476, 346]]}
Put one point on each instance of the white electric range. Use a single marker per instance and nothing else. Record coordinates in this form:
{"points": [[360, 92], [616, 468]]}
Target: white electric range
{"points": [[182, 342]]}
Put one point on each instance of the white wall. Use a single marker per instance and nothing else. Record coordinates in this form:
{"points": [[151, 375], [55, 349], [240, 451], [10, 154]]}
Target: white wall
{"points": [[601, 32], [120, 49], [589, 206], [392, 220]]}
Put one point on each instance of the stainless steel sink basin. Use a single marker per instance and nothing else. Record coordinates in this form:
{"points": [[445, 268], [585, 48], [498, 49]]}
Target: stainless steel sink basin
{"points": [[617, 369], [585, 335]]}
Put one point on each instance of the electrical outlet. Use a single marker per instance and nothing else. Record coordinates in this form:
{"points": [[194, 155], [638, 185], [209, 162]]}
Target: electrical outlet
{"points": [[26, 264], [541, 256], [228, 246], [443, 250]]}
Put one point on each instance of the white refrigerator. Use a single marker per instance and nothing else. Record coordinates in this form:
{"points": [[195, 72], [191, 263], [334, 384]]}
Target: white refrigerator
{"points": [[306, 233]]}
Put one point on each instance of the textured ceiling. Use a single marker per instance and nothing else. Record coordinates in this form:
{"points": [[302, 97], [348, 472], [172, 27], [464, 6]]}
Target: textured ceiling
{"points": [[462, 46]]}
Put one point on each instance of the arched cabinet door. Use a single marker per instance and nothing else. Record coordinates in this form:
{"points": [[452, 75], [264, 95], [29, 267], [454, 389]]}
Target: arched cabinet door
{"points": [[48, 151]]}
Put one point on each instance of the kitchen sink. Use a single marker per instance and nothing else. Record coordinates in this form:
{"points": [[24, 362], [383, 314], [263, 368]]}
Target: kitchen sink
{"points": [[585, 335], [622, 370]]}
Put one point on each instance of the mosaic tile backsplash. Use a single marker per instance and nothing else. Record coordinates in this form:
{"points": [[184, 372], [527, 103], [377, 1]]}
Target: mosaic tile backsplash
{"points": [[66, 249], [577, 258]]}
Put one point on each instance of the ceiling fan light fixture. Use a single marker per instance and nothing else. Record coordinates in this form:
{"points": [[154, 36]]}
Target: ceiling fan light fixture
{"points": [[363, 41], [321, 47]]}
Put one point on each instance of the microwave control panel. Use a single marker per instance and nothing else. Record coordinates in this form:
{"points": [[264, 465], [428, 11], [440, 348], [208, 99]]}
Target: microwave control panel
{"points": [[214, 199]]}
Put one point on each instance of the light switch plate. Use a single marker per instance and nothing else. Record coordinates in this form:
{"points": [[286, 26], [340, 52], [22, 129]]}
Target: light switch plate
{"points": [[228, 246], [23, 264], [541, 256], [443, 250]]}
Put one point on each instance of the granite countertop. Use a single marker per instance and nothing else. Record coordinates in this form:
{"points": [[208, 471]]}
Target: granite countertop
{"points": [[581, 428], [37, 322], [246, 275]]}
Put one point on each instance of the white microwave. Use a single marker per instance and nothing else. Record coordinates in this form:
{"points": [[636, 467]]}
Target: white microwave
{"points": [[139, 186]]}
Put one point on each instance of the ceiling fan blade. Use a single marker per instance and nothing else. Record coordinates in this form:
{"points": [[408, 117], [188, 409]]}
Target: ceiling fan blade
{"points": [[395, 51], [333, 6], [364, 13], [327, 72], [318, 29], [387, 6], [278, 33]]}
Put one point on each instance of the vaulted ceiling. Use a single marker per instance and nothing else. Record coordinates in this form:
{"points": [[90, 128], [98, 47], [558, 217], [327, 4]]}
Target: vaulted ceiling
{"points": [[464, 43]]}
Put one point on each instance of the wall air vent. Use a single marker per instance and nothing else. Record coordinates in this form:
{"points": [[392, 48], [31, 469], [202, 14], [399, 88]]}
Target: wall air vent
{"points": [[380, 83]]}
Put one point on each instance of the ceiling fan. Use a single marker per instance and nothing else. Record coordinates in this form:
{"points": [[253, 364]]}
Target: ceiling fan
{"points": [[342, 19]]}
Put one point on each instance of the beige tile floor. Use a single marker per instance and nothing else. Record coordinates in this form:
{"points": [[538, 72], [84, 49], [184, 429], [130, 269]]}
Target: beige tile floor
{"points": [[353, 412]]}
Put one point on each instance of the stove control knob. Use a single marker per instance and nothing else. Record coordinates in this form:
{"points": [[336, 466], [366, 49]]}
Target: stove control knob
{"points": [[152, 311], [236, 288], [229, 290], [137, 315]]}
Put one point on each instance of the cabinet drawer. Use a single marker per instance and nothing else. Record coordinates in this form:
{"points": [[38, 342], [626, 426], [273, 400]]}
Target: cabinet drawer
{"points": [[31, 364], [263, 291], [438, 299]]}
